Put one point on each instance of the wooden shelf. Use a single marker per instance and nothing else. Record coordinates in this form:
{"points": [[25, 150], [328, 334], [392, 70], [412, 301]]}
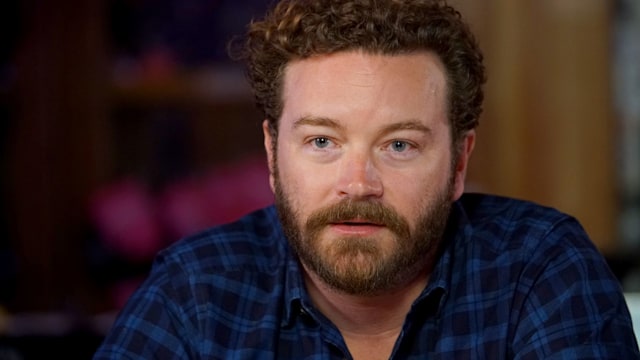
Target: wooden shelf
{"points": [[208, 86]]}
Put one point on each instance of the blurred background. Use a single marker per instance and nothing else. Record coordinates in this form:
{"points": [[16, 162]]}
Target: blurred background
{"points": [[124, 126]]}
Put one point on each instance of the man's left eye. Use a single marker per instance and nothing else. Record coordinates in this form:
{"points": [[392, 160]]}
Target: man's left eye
{"points": [[321, 142], [399, 146]]}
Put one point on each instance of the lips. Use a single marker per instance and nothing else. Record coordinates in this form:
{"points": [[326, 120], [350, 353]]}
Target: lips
{"points": [[357, 222], [356, 227]]}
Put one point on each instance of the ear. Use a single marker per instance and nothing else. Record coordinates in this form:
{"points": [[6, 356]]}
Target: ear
{"points": [[268, 146], [464, 153]]}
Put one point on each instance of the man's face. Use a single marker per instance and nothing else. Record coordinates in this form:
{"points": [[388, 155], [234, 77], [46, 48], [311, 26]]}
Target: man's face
{"points": [[362, 170]]}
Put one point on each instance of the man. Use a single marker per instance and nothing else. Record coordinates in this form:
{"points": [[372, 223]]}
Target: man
{"points": [[372, 251]]}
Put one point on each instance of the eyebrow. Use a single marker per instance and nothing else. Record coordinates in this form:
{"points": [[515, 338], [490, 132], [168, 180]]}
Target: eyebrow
{"points": [[317, 121], [411, 124]]}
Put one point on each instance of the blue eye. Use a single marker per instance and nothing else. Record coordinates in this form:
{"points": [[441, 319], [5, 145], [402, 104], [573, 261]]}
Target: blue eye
{"points": [[399, 146], [321, 142]]}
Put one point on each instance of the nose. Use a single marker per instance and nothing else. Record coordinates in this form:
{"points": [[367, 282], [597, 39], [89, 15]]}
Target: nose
{"points": [[358, 177]]}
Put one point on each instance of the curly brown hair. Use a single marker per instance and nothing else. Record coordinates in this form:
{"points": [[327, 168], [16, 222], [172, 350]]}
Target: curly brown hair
{"points": [[299, 29]]}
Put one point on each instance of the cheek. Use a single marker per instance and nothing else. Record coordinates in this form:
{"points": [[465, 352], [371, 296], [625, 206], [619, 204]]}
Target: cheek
{"points": [[412, 193], [299, 183], [409, 195]]}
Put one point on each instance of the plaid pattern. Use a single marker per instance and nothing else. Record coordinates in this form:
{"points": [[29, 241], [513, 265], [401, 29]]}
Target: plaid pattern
{"points": [[514, 281]]}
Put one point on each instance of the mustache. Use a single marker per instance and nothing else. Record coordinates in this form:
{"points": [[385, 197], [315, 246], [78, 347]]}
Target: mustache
{"points": [[362, 210]]}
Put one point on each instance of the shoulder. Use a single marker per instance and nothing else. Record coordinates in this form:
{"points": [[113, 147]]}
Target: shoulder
{"points": [[254, 242], [482, 209], [539, 249], [540, 263], [219, 281], [224, 265], [505, 223]]}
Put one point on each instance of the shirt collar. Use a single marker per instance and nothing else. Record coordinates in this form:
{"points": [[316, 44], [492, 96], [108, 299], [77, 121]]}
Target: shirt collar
{"points": [[294, 289], [457, 233]]}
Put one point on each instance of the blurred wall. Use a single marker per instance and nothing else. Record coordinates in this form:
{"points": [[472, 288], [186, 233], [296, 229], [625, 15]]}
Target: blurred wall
{"points": [[548, 131]]}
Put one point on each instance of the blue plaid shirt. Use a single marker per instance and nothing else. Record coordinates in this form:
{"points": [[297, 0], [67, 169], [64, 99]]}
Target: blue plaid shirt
{"points": [[514, 281]]}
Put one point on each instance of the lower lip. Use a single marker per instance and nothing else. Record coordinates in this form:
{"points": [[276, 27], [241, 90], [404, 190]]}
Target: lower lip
{"points": [[347, 229]]}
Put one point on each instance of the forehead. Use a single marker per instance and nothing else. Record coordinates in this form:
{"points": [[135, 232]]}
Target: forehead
{"points": [[420, 66], [411, 85]]}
